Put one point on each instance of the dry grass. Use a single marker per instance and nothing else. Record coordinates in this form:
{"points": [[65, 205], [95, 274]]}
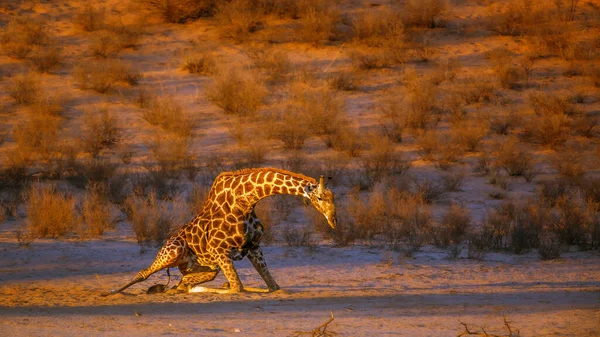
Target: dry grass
{"points": [[237, 92], [424, 13], [152, 219], [95, 211], [171, 153], [238, 19], [515, 160], [91, 18], [101, 129], [454, 227], [46, 58], [37, 135], [50, 213], [103, 75], [421, 111], [24, 89], [380, 162], [275, 62], [199, 62], [469, 134], [106, 44], [21, 35], [166, 112], [317, 21], [179, 11]]}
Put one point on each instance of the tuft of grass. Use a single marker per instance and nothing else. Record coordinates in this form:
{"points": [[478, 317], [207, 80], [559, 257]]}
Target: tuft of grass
{"points": [[37, 135], [21, 35], [103, 75], [237, 92], [454, 227], [276, 63], [317, 21], [468, 134], [50, 213], [45, 58], [166, 112], [101, 129], [24, 89], [95, 211], [201, 63], [238, 19], [91, 18], [106, 44], [180, 11], [515, 160], [345, 81]]}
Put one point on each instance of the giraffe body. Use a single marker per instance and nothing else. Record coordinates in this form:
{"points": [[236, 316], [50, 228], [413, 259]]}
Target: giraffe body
{"points": [[227, 228]]}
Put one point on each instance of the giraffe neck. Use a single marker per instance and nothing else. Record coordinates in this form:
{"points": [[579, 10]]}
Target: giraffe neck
{"points": [[242, 190]]}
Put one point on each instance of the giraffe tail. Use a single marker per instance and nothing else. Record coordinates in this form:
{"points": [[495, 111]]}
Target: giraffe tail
{"points": [[137, 279]]}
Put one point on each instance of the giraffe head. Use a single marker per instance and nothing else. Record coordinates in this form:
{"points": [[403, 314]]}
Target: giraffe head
{"points": [[322, 199]]}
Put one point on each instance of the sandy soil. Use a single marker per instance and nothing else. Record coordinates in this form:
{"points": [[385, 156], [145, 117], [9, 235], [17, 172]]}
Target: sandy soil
{"points": [[52, 288]]}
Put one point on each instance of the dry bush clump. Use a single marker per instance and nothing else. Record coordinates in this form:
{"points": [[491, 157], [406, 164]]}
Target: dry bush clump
{"points": [[552, 120], [24, 89], [92, 170], [91, 18], [103, 75], [152, 219], [199, 62], [439, 148], [22, 35], [424, 13], [380, 162], [275, 62], [180, 11], [95, 211], [317, 21], [365, 58], [166, 112], [171, 153], [50, 213], [468, 134], [101, 129], [454, 180], [550, 191], [106, 44], [378, 27], [515, 160], [291, 126], [45, 58], [392, 217], [429, 191], [326, 113], [421, 111], [300, 237], [345, 81], [238, 19], [591, 189], [504, 122], [454, 227], [237, 91], [509, 75], [392, 119], [37, 135], [570, 163]]}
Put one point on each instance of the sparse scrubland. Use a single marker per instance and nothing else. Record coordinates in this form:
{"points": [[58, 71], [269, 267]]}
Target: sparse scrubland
{"points": [[468, 126]]}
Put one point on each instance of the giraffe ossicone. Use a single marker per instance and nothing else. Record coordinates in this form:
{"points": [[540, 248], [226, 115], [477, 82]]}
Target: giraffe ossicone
{"points": [[227, 229]]}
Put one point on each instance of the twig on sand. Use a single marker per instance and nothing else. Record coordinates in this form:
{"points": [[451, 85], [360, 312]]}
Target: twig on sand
{"points": [[484, 333], [320, 331]]}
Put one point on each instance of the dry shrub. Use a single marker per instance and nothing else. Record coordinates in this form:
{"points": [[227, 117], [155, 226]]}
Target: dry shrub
{"points": [[474, 89], [445, 70], [591, 189], [570, 163], [585, 125], [429, 191], [21, 35], [326, 113], [550, 191], [549, 246], [468, 134], [421, 110], [382, 161], [504, 122], [569, 222], [453, 181], [365, 58], [166, 112], [276, 63], [103, 75], [252, 155], [238, 19], [24, 89], [37, 135], [317, 21], [106, 44], [454, 227], [90, 17], [152, 219], [180, 11], [45, 58], [392, 119], [171, 152], [548, 104], [345, 81], [237, 91], [291, 126], [512, 18], [92, 171], [101, 129], [390, 216], [379, 27], [201, 63], [424, 13], [439, 147], [50, 213], [95, 211], [345, 233], [549, 130], [300, 237], [515, 226], [515, 160], [509, 75]]}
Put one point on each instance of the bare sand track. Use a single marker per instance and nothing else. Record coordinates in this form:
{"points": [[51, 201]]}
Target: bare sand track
{"points": [[52, 288]]}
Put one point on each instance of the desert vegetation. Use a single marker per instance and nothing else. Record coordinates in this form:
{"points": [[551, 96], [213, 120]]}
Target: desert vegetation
{"points": [[138, 105]]}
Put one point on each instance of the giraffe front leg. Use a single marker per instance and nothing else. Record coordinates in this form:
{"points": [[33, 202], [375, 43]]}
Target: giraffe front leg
{"points": [[255, 256], [235, 285]]}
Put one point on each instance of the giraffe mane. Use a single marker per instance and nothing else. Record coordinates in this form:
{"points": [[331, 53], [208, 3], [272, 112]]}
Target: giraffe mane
{"points": [[266, 169]]}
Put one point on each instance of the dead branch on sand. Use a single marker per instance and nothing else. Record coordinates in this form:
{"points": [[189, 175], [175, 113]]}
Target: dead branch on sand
{"points": [[484, 333], [319, 331]]}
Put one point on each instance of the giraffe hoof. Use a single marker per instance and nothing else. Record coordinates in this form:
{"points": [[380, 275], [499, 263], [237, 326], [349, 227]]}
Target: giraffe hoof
{"points": [[157, 289]]}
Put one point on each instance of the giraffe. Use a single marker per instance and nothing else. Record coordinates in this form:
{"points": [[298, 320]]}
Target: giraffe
{"points": [[227, 228]]}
